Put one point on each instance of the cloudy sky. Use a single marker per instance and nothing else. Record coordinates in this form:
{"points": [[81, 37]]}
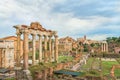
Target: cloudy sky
{"points": [[97, 19]]}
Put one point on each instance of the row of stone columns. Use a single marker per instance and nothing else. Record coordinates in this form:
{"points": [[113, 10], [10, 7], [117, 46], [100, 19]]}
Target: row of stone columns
{"points": [[53, 48], [50, 53], [104, 47]]}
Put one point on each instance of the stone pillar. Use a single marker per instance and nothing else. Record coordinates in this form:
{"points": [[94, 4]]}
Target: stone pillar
{"points": [[5, 58], [52, 50], [45, 48], [1, 58], [106, 47], [25, 50], [40, 48], [33, 49], [56, 48], [102, 47], [50, 53], [17, 57]]}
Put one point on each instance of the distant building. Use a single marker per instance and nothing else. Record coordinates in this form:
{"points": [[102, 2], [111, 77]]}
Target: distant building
{"points": [[98, 46], [117, 50], [6, 53], [65, 44], [104, 46]]}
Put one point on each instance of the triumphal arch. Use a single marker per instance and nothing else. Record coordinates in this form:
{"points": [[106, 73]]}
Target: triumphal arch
{"points": [[48, 43]]}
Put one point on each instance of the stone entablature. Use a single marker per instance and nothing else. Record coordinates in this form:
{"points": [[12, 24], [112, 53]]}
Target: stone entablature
{"points": [[6, 43], [36, 30]]}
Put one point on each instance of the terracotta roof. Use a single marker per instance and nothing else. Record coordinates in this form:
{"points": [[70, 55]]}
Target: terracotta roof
{"points": [[9, 38], [67, 38]]}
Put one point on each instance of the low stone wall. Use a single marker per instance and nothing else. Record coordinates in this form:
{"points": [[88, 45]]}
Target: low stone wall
{"points": [[48, 73]]}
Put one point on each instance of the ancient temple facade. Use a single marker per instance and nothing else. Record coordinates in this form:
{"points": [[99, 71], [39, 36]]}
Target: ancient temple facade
{"points": [[47, 39], [6, 54], [65, 44], [104, 46]]}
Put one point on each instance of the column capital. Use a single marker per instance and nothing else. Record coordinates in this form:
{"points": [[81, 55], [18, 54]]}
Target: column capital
{"points": [[26, 32], [50, 36], [33, 34], [45, 35], [56, 36], [18, 33], [39, 35]]}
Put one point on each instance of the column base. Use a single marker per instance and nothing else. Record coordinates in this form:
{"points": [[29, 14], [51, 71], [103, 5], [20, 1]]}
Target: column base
{"points": [[28, 74], [17, 68]]}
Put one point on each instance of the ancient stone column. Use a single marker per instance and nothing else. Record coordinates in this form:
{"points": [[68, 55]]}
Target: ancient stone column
{"points": [[45, 48], [33, 49], [50, 53], [40, 48], [17, 57], [101, 47], [56, 48], [25, 50], [4, 58], [106, 47]]}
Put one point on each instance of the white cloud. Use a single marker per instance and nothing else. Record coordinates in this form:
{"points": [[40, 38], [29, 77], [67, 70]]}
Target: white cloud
{"points": [[25, 11], [99, 36]]}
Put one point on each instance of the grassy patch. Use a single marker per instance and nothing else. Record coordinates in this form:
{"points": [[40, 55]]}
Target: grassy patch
{"points": [[40, 67], [88, 65], [107, 65], [10, 79], [65, 58], [94, 73]]}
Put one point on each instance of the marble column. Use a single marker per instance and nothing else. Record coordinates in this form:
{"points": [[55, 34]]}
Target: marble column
{"points": [[33, 49], [52, 51], [25, 50], [56, 48], [4, 58], [45, 48], [106, 47], [101, 47], [40, 48], [50, 55], [1, 59], [17, 57]]}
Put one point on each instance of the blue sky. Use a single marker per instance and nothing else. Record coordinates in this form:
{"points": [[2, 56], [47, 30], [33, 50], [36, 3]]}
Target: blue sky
{"points": [[97, 19]]}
